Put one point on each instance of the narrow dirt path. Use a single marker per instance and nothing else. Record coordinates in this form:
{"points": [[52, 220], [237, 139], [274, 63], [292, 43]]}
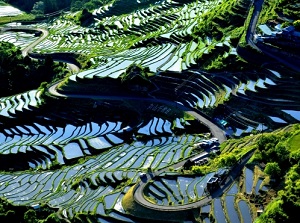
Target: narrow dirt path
{"points": [[45, 34]]}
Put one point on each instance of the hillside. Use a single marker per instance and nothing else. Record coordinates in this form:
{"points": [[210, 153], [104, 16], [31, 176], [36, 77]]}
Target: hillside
{"points": [[50, 6], [143, 111]]}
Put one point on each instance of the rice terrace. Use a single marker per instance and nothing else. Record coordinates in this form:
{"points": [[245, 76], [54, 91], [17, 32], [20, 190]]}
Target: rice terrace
{"points": [[149, 111]]}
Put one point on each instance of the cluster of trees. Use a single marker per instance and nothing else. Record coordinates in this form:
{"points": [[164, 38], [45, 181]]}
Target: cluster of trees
{"points": [[18, 74], [282, 163], [275, 152], [10, 213], [286, 206]]}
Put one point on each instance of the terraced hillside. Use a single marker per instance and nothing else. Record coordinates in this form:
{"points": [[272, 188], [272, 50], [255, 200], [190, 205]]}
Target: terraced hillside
{"points": [[157, 79]]}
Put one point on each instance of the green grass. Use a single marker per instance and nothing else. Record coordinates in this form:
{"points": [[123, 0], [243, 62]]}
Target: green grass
{"points": [[18, 18], [187, 117], [295, 142]]}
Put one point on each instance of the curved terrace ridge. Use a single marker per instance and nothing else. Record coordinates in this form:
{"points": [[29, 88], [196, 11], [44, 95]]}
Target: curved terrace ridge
{"points": [[27, 50], [140, 199], [215, 130]]}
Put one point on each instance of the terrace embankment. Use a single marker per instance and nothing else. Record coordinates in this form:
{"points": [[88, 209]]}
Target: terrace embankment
{"points": [[62, 57], [149, 215], [136, 102]]}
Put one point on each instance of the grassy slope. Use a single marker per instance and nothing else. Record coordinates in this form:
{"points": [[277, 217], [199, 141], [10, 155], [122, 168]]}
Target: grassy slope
{"points": [[295, 142], [227, 19], [22, 17]]}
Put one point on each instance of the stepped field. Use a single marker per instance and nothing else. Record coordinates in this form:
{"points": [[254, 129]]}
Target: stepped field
{"points": [[77, 146]]}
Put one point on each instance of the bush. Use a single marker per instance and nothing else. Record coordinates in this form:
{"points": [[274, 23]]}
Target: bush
{"points": [[30, 216], [273, 169], [228, 160], [201, 170], [297, 24]]}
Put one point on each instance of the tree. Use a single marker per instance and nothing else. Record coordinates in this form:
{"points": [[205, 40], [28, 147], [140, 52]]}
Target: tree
{"points": [[282, 153], [202, 170], [294, 157], [273, 214], [228, 160], [18, 74], [30, 216], [272, 169], [38, 8]]}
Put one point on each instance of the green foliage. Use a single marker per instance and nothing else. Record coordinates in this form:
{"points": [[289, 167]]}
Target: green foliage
{"points": [[294, 141], [228, 160], [30, 216], [201, 170], [18, 74], [286, 24], [84, 61], [273, 169], [268, 11], [135, 70], [282, 162], [38, 8], [282, 153], [267, 141], [273, 148], [297, 24], [227, 16], [257, 157], [287, 206], [294, 157], [21, 17], [273, 8], [274, 213]]}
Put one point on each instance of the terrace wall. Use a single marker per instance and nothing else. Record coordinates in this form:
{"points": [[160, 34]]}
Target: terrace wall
{"points": [[64, 57], [154, 213]]}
